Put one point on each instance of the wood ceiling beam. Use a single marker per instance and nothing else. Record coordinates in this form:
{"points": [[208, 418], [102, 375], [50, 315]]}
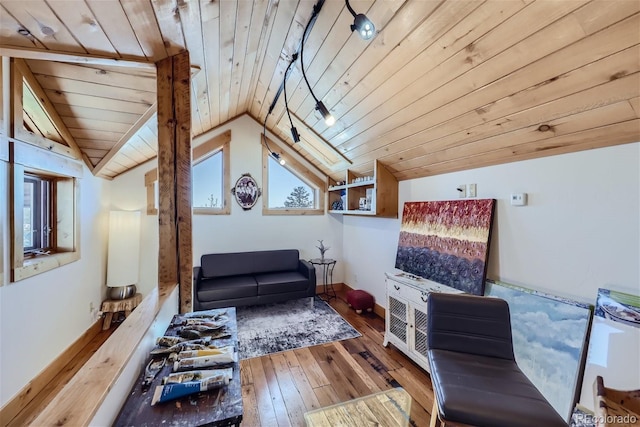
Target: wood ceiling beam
{"points": [[48, 55], [125, 138]]}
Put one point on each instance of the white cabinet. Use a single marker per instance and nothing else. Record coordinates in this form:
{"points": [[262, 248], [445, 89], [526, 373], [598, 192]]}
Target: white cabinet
{"points": [[406, 319]]}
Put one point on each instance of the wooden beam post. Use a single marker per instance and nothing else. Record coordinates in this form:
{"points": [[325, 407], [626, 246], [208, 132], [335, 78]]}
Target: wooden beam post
{"points": [[175, 258]]}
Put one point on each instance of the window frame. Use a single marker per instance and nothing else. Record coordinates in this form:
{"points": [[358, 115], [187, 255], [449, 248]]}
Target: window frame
{"points": [[226, 184], [43, 212], [210, 146], [65, 241], [301, 172]]}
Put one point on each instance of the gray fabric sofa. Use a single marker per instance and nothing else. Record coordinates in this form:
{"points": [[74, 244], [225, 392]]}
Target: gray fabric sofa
{"points": [[247, 278]]}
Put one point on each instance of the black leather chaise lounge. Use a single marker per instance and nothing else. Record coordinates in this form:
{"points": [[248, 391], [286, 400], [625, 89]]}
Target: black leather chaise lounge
{"points": [[476, 380]]}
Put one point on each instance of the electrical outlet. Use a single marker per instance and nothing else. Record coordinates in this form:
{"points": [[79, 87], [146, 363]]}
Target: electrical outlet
{"points": [[462, 191], [91, 307], [472, 190]]}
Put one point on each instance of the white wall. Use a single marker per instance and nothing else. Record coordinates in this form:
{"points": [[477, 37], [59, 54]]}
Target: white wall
{"points": [[250, 230], [44, 314], [580, 230], [242, 230]]}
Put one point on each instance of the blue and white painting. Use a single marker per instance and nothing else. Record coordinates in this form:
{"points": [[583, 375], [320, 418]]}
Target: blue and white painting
{"points": [[549, 335]]}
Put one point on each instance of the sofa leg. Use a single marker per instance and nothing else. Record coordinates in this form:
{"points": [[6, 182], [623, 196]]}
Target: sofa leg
{"points": [[311, 302]]}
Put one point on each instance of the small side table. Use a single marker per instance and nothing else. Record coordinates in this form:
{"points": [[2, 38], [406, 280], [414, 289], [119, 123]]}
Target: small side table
{"points": [[111, 306], [328, 265]]}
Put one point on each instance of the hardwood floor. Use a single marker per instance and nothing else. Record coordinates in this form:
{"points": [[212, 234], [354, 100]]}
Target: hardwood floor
{"points": [[278, 389]]}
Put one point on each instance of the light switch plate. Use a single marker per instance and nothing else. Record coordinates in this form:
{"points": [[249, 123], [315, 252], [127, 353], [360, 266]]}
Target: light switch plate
{"points": [[472, 190]]}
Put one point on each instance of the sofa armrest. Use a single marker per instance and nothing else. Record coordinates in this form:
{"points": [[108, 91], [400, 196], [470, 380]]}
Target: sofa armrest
{"points": [[307, 270], [197, 273]]}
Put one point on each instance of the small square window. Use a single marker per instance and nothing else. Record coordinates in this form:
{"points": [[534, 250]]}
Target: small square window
{"points": [[44, 207], [37, 214]]}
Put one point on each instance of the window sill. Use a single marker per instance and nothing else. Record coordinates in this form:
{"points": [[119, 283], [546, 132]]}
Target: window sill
{"points": [[292, 211], [33, 266], [211, 211]]}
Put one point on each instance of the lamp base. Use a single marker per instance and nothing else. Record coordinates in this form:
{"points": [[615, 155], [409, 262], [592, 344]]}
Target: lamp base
{"points": [[122, 292]]}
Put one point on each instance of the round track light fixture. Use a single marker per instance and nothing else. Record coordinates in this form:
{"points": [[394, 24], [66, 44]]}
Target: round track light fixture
{"points": [[278, 158], [361, 24]]}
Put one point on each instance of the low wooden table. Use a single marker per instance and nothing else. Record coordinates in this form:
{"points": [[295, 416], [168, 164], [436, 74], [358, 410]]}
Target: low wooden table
{"points": [[387, 408], [111, 306], [220, 407]]}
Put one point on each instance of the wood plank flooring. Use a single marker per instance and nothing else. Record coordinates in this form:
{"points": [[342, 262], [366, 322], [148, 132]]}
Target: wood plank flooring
{"points": [[278, 389]]}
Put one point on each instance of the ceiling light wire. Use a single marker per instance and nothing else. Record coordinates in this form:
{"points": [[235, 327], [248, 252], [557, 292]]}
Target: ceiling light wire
{"points": [[326, 115], [265, 140], [316, 10], [294, 132]]}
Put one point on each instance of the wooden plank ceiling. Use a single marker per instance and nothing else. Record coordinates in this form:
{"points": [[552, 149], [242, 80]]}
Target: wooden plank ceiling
{"points": [[443, 86]]}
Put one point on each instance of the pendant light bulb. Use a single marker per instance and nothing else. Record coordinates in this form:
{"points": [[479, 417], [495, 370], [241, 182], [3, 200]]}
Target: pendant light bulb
{"points": [[329, 120], [294, 134]]}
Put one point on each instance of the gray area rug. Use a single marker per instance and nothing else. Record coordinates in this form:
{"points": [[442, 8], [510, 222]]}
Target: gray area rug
{"points": [[271, 328]]}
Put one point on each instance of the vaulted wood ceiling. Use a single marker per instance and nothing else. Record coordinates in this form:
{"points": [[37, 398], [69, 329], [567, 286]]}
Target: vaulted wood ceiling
{"points": [[443, 86]]}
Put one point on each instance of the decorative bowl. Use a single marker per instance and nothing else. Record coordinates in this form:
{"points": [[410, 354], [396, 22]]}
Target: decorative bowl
{"points": [[122, 292]]}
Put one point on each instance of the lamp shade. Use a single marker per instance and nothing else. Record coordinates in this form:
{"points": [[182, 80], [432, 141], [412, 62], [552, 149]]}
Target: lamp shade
{"points": [[123, 262]]}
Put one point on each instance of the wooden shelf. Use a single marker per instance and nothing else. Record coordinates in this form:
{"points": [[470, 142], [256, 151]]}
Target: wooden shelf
{"points": [[381, 189]]}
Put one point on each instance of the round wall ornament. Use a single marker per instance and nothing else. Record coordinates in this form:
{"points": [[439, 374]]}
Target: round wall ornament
{"points": [[246, 191]]}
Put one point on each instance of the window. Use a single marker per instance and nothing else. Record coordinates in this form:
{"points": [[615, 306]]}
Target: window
{"points": [[44, 206], [37, 216], [291, 189], [207, 182], [210, 177], [287, 191]]}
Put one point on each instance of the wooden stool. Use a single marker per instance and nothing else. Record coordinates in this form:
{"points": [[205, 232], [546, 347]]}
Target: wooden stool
{"points": [[111, 306], [615, 407]]}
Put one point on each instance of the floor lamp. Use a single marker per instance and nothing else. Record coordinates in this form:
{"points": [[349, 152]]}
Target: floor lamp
{"points": [[123, 262]]}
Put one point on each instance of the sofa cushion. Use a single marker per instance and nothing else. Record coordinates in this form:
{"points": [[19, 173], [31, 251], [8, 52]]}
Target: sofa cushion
{"points": [[281, 282], [231, 264], [273, 261], [227, 288], [238, 263], [481, 390]]}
